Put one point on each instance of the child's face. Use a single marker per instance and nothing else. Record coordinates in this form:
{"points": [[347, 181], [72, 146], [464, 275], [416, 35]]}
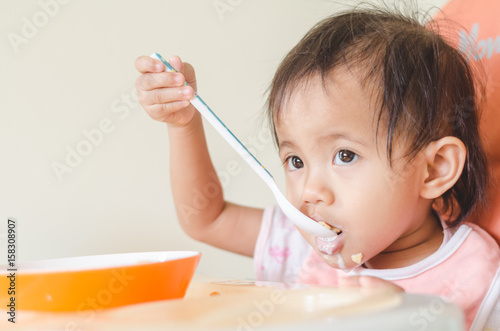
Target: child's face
{"points": [[336, 173]]}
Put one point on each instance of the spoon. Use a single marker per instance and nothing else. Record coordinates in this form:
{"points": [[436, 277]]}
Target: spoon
{"points": [[300, 220]]}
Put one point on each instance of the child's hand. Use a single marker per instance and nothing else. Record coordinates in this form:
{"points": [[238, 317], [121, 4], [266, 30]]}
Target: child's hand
{"points": [[368, 282], [163, 94]]}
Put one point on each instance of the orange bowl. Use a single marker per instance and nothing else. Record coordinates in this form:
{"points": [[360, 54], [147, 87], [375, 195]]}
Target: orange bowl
{"points": [[97, 282]]}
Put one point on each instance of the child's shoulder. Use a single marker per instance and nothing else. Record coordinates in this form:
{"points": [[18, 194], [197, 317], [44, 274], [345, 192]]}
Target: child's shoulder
{"points": [[474, 234], [472, 248], [477, 265]]}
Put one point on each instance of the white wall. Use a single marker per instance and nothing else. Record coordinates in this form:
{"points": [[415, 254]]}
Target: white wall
{"points": [[75, 71]]}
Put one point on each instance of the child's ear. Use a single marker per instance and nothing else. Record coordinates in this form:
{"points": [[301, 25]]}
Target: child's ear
{"points": [[445, 159]]}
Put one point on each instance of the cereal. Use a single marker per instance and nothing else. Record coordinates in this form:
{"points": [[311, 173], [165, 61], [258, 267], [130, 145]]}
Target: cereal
{"points": [[326, 225], [356, 258], [329, 227]]}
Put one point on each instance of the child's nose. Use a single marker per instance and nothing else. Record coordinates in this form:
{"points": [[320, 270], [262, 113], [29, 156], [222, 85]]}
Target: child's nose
{"points": [[316, 190]]}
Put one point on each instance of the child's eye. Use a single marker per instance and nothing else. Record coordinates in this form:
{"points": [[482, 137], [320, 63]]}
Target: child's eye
{"points": [[344, 157], [294, 162]]}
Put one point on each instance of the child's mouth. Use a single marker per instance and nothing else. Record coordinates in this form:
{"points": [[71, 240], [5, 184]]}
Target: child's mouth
{"points": [[330, 246]]}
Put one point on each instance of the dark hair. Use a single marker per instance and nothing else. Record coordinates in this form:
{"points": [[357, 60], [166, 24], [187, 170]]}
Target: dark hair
{"points": [[424, 86]]}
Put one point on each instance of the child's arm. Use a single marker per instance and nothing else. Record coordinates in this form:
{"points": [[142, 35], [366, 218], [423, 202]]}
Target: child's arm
{"points": [[201, 209]]}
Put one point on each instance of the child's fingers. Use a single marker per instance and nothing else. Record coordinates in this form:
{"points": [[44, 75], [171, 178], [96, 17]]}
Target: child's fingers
{"points": [[164, 112], [185, 68], [176, 62], [165, 95], [177, 113], [189, 74], [145, 64], [150, 81], [375, 282], [352, 281], [368, 282]]}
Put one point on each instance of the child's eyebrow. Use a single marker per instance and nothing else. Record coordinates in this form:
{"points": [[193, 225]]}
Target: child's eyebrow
{"points": [[285, 143], [325, 138], [339, 136]]}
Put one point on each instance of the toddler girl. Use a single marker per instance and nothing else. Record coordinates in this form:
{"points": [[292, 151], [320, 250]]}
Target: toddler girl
{"points": [[376, 123]]}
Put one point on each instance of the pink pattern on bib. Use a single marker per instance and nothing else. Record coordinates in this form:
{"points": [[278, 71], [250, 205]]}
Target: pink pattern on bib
{"points": [[280, 255]]}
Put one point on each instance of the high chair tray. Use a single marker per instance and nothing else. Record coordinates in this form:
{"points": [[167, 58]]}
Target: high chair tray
{"points": [[241, 305]]}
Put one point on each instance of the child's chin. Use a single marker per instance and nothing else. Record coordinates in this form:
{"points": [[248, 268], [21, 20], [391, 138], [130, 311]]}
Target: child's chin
{"points": [[336, 261]]}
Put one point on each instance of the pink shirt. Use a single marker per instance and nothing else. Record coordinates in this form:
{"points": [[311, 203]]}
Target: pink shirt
{"points": [[464, 270]]}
